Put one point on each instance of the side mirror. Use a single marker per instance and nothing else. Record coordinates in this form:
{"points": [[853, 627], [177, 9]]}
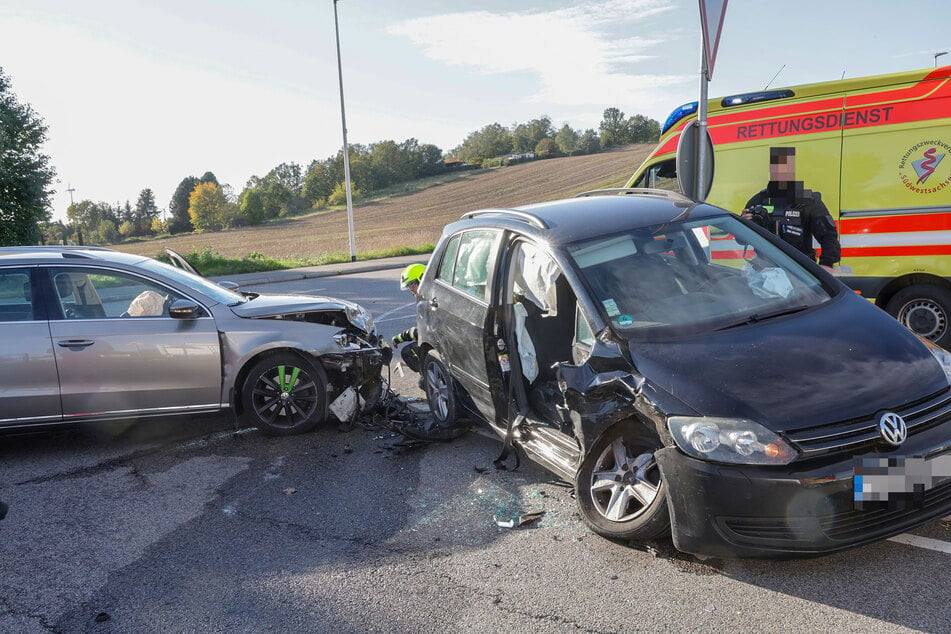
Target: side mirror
{"points": [[184, 309]]}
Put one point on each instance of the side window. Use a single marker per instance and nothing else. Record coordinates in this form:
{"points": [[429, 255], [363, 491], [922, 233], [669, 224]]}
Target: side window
{"points": [[471, 274], [15, 295], [661, 175], [465, 264], [103, 294], [583, 340], [448, 263]]}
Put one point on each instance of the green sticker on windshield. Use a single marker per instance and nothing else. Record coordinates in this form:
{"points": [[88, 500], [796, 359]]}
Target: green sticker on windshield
{"points": [[611, 306], [625, 320]]}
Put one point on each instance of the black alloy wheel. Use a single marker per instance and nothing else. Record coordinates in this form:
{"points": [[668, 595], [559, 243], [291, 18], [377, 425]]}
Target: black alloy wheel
{"points": [[285, 394]]}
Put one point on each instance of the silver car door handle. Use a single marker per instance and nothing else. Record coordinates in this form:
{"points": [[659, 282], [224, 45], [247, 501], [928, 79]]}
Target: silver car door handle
{"points": [[433, 303], [75, 343]]}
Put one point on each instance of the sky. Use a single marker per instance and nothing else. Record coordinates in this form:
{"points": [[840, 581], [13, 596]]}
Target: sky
{"points": [[143, 93]]}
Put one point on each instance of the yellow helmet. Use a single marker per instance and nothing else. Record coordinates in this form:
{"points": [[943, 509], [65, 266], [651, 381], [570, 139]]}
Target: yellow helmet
{"points": [[412, 273]]}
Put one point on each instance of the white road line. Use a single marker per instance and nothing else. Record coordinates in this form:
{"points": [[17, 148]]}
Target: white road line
{"points": [[386, 316], [922, 542]]}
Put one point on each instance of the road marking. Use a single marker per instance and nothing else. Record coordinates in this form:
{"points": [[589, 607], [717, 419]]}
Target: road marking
{"points": [[922, 542], [386, 316]]}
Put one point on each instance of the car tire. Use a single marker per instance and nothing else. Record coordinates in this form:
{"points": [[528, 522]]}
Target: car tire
{"points": [[285, 394], [440, 390], [925, 309], [619, 489]]}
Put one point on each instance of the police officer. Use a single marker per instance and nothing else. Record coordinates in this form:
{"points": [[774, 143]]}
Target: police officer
{"points": [[409, 281], [794, 213]]}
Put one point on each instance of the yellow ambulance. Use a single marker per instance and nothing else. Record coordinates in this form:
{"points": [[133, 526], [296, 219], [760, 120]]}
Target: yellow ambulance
{"points": [[877, 149]]}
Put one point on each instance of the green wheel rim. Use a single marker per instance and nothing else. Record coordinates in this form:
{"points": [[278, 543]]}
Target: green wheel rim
{"points": [[285, 396]]}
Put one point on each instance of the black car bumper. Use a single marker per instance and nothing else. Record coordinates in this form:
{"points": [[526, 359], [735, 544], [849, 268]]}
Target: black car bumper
{"points": [[722, 510]]}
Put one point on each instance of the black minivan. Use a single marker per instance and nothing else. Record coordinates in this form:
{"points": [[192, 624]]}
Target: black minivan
{"points": [[691, 374]]}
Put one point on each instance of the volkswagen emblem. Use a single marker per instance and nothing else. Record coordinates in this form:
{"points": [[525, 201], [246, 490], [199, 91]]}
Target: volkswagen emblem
{"points": [[892, 428]]}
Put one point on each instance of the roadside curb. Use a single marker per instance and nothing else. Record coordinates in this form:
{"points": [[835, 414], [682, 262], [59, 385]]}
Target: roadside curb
{"points": [[326, 270]]}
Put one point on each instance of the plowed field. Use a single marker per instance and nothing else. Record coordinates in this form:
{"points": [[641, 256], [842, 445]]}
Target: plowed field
{"points": [[412, 220]]}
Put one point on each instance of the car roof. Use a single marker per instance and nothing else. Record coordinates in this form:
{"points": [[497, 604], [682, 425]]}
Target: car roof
{"points": [[47, 254], [590, 214]]}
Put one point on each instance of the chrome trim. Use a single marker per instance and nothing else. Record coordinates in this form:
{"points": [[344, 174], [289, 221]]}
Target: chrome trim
{"points": [[152, 411], [531, 219], [892, 428], [29, 419], [864, 432], [641, 191]]}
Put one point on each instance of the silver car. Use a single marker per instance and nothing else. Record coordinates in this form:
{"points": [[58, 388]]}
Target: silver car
{"points": [[92, 334]]}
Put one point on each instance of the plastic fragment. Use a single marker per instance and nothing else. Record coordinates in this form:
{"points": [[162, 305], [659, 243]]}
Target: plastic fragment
{"points": [[519, 521]]}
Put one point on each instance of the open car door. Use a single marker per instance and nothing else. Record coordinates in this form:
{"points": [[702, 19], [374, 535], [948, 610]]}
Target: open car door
{"points": [[178, 260]]}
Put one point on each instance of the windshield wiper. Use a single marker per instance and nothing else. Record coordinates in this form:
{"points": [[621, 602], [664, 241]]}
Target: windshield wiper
{"points": [[758, 317]]}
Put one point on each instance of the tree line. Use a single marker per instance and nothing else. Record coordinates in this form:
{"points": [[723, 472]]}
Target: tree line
{"points": [[204, 204]]}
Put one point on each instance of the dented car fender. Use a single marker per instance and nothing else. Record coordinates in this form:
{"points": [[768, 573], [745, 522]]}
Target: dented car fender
{"points": [[604, 391]]}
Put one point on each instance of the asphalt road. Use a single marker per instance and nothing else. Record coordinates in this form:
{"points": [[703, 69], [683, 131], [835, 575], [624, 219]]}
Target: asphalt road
{"points": [[194, 525]]}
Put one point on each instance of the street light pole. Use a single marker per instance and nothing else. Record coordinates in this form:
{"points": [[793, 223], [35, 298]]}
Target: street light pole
{"points": [[69, 188], [937, 55], [346, 147]]}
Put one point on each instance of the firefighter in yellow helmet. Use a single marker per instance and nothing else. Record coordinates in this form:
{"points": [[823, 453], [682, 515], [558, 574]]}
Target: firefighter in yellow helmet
{"points": [[409, 281]]}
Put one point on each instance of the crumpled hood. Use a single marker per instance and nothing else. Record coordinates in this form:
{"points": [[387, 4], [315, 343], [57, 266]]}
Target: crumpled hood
{"points": [[839, 361], [270, 305]]}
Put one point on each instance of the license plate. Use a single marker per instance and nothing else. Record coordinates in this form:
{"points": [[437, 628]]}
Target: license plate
{"points": [[897, 481]]}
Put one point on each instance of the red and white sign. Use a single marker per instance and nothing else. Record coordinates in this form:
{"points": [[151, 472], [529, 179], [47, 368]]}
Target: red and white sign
{"points": [[711, 22]]}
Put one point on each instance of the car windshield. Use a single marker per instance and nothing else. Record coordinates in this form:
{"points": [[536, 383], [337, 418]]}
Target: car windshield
{"points": [[204, 286], [693, 276]]}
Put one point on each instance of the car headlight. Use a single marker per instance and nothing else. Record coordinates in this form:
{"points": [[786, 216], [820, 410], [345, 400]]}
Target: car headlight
{"points": [[729, 440], [359, 317], [941, 355]]}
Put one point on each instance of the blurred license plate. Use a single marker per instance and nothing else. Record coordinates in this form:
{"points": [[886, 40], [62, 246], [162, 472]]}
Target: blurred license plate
{"points": [[897, 481]]}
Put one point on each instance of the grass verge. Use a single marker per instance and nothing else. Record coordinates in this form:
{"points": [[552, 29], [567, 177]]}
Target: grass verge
{"points": [[210, 263]]}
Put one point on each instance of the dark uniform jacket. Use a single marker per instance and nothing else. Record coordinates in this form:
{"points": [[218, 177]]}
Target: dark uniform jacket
{"points": [[798, 215]]}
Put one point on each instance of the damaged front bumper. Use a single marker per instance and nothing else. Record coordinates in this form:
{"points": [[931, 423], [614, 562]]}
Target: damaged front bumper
{"points": [[356, 379]]}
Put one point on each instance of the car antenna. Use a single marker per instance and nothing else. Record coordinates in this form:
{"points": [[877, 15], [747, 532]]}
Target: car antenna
{"points": [[774, 77]]}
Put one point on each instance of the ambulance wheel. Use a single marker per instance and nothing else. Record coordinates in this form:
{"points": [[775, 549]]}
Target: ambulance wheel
{"points": [[925, 309], [619, 488]]}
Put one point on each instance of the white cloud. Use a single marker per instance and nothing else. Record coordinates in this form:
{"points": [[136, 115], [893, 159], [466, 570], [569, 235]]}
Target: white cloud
{"points": [[573, 53]]}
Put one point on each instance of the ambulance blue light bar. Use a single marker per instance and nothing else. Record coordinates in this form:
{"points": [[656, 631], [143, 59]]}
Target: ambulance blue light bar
{"points": [[753, 97], [678, 114]]}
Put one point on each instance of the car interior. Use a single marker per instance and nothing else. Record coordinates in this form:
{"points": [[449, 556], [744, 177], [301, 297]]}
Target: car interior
{"points": [[15, 306], [545, 313]]}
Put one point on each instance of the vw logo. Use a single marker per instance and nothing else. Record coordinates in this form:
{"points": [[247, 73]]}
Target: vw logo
{"points": [[892, 428]]}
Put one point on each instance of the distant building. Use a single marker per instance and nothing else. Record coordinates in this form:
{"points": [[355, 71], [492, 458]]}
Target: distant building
{"points": [[453, 164]]}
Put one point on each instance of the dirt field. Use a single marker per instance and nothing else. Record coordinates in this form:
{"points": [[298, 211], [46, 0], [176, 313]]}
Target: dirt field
{"points": [[416, 219]]}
